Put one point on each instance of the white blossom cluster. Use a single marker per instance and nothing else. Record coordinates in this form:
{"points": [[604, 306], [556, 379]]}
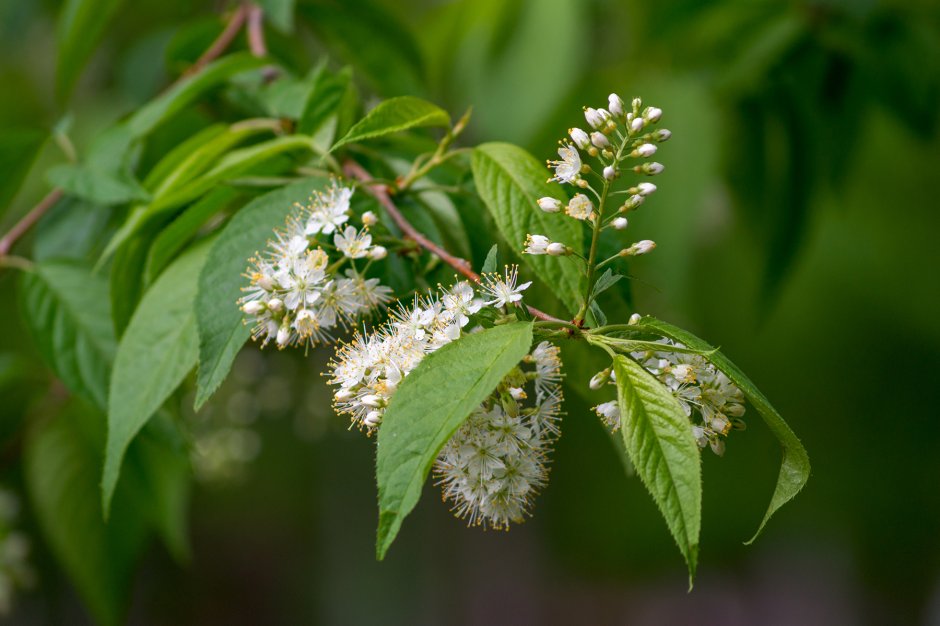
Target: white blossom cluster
{"points": [[298, 294], [592, 160], [497, 461], [370, 367], [712, 402]]}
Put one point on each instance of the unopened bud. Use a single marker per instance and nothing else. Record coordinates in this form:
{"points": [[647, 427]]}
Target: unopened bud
{"points": [[645, 189], [369, 219], [549, 205], [615, 104], [652, 114], [518, 393], [275, 305], [557, 249], [579, 137], [599, 379], [283, 336], [646, 150], [596, 118], [652, 168], [264, 281], [637, 124], [254, 307], [640, 247], [610, 173], [377, 253], [372, 400], [619, 223], [662, 134], [634, 319], [344, 395], [636, 104], [632, 202], [599, 140], [372, 419]]}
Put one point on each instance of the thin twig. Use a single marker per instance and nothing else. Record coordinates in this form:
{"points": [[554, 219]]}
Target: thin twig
{"points": [[380, 192], [28, 221], [256, 41], [221, 43]]}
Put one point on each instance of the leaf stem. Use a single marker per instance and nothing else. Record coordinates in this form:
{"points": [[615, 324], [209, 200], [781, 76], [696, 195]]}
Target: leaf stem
{"points": [[221, 43], [28, 221]]}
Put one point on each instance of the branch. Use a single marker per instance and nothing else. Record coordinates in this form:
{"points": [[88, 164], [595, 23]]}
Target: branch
{"points": [[28, 221], [256, 41], [380, 192], [221, 43]]}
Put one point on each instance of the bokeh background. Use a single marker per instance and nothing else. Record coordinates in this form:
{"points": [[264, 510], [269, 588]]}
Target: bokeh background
{"points": [[797, 223]]}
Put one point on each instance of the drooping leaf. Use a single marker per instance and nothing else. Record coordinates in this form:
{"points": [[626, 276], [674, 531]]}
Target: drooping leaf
{"points": [[393, 116], [429, 406], [66, 309], [221, 329], [79, 29], [156, 352], [795, 466], [510, 181], [658, 437], [324, 99], [18, 150], [491, 263], [95, 186]]}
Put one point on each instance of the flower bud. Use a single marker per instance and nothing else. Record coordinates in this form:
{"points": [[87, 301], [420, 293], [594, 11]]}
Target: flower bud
{"points": [[596, 118], [632, 202], [372, 419], [549, 205], [619, 223], [634, 319], [254, 307], [275, 305], [662, 134], [377, 253], [372, 400], [652, 114], [637, 124], [264, 281], [640, 247], [518, 393], [579, 137], [615, 104], [599, 379], [369, 219], [636, 104], [536, 244], [645, 189], [344, 395], [646, 150], [599, 140], [283, 336], [557, 249], [652, 168], [609, 172]]}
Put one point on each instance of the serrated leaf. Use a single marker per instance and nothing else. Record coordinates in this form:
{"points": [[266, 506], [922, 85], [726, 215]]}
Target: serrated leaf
{"points": [[222, 331], [80, 26], [606, 280], [658, 437], [429, 406], [393, 116], [99, 187], [510, 181], [18, 150], [66, 309], [795, 466], [156, 352]]}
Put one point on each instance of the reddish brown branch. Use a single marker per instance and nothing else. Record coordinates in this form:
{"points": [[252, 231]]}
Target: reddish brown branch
{"points": [[28, 221], [222, 42], [380, 192]]}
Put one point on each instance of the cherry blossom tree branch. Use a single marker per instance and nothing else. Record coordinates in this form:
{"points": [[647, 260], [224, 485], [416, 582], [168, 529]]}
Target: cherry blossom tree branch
{"points": [[380, 192], [28, 221], [221, 43]]}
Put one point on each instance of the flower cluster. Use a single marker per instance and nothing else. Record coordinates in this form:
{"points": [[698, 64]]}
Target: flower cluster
{"points": [[712, 402], [497, 460], [370, 367], [592, 160], [297, 294]]}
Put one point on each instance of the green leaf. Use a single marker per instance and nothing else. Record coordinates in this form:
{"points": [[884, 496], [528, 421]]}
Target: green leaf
{"points": [[95, 186], [658, 438], [429, 406], [280, 13], [222, 331], [18, 150], [491, 262], [156, 352], [66, 309], [795, 467], [80, 27], [324, 99], [62, 466], [172, 238], [126, 281], [393, 116], [510, 181], [606, 280]]}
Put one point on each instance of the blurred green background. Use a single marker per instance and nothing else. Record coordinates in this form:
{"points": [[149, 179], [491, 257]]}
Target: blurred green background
{"points": [[797, 223]]}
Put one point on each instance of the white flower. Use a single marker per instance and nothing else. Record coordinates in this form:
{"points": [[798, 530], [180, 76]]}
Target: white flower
{"points": [[369, 219], [652, 114], [663, 135], [653, 168], [459, 302], [549, 205], [619, 223], [599, 140], [634, 319], [637, 124], [596, 118], [580, 207], [568, 168], [580, 138], [502, 290], [610, 172], [377, 253], [640, 247], [536, 244], [328, 210], [646, 150], [558, 249], [645, 189], [353, 243], [615, 104], [609, 412], [254, 307]]}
